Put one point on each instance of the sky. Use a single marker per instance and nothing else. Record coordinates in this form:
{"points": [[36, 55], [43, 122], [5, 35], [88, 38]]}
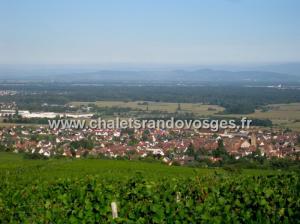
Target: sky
{"points": [[149, 31]]}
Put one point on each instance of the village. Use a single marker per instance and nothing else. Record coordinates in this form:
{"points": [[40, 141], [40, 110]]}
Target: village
{"points": [[172, 146], [178, 146]]}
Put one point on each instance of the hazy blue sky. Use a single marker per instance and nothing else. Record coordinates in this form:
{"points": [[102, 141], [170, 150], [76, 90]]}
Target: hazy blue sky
{"points": [[152, 31]]}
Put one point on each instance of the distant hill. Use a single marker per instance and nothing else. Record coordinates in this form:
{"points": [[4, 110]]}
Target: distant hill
{"points": [[288, 68], [200, 75], [203, 75]]}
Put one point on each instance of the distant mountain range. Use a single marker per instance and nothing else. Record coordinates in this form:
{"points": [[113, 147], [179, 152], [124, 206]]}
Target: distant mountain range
{"points": [[287, 68], [203, 75], [198, 75]]}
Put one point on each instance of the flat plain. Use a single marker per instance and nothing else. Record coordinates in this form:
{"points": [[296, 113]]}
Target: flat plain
{"points": [[196, 108]]}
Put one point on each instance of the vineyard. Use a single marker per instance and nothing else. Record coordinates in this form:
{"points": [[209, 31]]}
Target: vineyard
{"points": [[28, 195]]}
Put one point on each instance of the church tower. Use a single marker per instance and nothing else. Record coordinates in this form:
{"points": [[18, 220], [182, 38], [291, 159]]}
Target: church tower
{"points": [[253, 140]]}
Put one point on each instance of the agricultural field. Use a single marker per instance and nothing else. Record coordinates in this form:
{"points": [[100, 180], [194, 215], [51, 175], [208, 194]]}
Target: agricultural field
{"points": [[196, 108], [6, 124], [279, 112], [83, 191], [60, 168], [113, 169], [281, 115]]}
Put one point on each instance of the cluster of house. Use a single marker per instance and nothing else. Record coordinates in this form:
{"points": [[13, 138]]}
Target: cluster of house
{"points": [[170, 145]]}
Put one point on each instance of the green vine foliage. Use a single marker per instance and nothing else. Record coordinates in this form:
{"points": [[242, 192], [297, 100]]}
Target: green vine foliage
{"points": [[214, 199]]}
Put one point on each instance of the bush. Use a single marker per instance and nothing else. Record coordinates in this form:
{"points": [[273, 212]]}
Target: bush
{"points": [[35, 156]]}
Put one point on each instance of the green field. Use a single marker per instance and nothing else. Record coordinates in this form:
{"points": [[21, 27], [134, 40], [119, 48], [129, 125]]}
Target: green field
{"points": [[276, 112], [112, 169], [81, 191], [196, 108], [281, 115]]}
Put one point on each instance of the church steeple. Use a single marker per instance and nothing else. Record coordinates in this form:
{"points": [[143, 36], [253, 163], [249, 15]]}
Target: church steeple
{"points": [[253, 140]]}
